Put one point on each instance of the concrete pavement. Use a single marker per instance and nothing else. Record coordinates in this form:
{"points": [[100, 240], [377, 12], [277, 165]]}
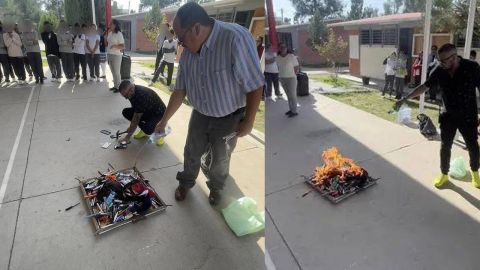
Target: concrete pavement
{"points": [[401, 223], [61, 141]]}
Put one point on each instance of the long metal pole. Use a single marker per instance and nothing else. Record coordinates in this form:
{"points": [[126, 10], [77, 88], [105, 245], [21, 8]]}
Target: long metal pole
{"points": [[426, 47], [93, 12], [469, 33]]}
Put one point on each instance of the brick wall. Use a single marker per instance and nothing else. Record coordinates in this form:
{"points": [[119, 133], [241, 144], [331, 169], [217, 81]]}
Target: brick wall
{"points": [[143, 44], [310, 58]]}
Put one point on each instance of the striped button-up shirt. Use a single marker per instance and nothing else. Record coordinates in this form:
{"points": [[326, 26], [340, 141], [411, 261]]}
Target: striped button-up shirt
{"points": [[227, 68]]}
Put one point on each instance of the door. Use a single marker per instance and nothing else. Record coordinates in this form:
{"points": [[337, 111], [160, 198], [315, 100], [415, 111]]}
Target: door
{"points": [[405, 44], [126, 27]]}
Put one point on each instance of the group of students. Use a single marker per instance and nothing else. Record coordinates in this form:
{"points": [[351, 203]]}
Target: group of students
{"points": [[68, 48], [283, 67], [395, 73]]}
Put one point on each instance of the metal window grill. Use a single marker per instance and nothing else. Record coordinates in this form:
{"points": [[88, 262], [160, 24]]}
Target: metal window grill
{"points": [[365, 37], [225, 17], [389, 36], [376, 36]]}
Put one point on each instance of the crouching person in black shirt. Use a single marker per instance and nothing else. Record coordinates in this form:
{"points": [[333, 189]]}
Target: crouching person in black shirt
{"points": [[146, 111], [457, 79]]}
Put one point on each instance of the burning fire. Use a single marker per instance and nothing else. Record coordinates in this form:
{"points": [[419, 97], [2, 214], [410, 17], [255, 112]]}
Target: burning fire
{"points": [[336, 166]]}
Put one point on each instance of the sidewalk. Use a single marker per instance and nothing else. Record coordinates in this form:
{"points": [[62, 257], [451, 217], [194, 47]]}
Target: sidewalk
{"points": [[401, 223], [61, 140]]}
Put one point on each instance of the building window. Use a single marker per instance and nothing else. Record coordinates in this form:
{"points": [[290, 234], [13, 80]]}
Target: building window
{"points": [[244, 18], [365, 37], [390, 37], [376, 37], [225, 17], [460, 41]]}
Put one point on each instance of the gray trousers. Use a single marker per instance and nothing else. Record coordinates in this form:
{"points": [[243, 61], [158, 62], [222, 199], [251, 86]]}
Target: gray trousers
{"points": [[54, 65], [206, 149], [289, 85], [35, 60], [115, 62], [93, 62], [67, 64]]}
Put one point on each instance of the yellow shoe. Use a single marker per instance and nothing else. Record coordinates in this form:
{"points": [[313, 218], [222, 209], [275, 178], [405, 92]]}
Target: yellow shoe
{"points": [[440, 180], [475, 179], [139, 135], [160, 141]]}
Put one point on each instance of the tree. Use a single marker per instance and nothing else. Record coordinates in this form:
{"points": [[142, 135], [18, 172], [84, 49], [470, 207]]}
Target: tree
{"points": [[387, 8], [55, 6], [153, 21], [460, 18], [116, 10], [317, 31], [326, 8], [146, 4], [26, 9], [50, 17], [443, 14], [287, 20], [369, 12], [356, 10], [392, 6], [78, 12], [414, 5], [332, 49]]}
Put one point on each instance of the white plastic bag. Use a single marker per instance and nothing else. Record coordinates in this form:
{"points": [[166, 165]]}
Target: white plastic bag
{"points": [[404, 114]]}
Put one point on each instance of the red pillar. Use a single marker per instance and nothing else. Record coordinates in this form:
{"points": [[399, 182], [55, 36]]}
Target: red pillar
{"points": [[272, 30], [108, 13]]}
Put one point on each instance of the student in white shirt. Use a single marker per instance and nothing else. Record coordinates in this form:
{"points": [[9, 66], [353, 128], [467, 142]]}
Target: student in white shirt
{"points": [[79, 51], [13, 43], [93, 52], [115, 45], [65, 43], [169, 49], [390, 62], [161, 37], [271, 73], [288, 68]]}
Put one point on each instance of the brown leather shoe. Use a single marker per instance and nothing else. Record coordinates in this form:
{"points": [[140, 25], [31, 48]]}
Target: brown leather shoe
{"points": [[181, 193], [214, 197]]}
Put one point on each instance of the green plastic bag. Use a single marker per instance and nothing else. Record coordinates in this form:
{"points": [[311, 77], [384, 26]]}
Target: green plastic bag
{"points": [[243, 217], [457, 168]]}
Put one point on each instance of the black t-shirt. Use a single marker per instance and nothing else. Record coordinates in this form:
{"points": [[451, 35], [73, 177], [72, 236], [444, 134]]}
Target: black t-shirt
{"points": [[146, 101], [458, 92], [51, 43]]}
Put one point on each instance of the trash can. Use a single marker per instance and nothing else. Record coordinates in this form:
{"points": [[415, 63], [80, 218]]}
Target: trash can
{"points": [[365, 80], [302, 84]]}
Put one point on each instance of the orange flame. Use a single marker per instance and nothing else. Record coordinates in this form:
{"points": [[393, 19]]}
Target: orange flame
{"points": [[335, 165]]}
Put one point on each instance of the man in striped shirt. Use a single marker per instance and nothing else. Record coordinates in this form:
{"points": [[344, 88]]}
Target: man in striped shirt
{"points": [[220, 74]]}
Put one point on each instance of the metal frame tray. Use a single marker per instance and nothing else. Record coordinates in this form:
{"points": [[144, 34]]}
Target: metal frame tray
{"points": [[99, 229], [370, 182]]}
